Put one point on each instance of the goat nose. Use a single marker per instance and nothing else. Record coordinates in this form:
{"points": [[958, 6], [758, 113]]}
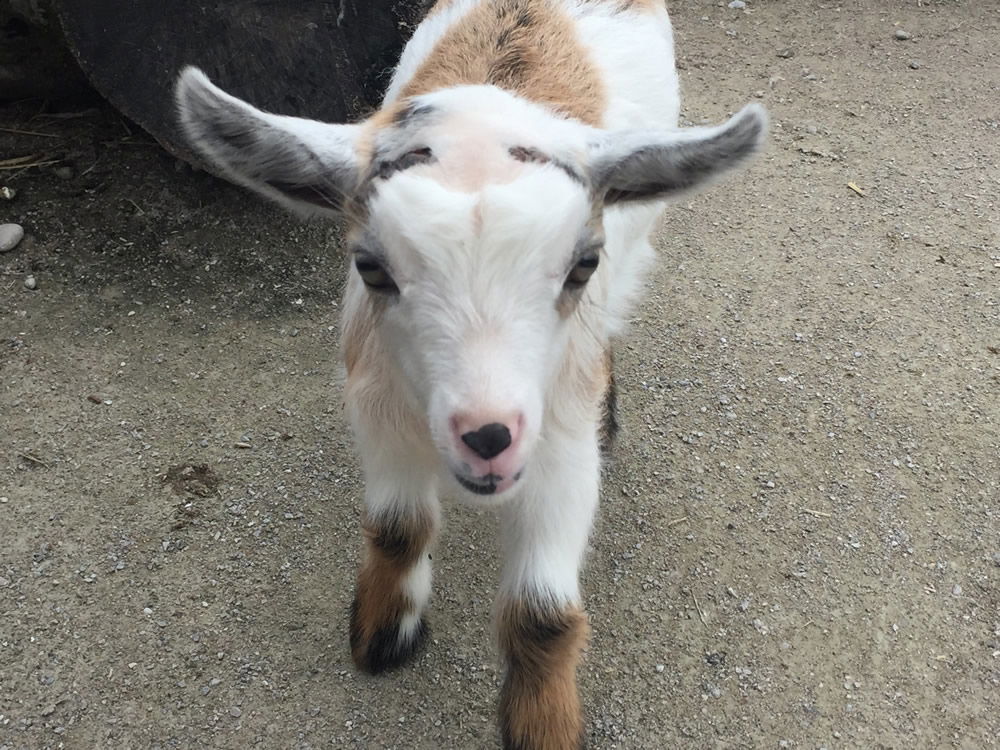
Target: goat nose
{"points": [[488, 441]]}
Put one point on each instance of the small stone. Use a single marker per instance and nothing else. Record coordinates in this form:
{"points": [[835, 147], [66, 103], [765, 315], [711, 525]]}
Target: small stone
{"points": [[10, 236], [902, 35], [7, 193], [915, 64], [956, 590], [30, 283], [147, 611], [760, 626], [786, 53], [235, 712], [737, 5], [716, 658], [660, 668]]}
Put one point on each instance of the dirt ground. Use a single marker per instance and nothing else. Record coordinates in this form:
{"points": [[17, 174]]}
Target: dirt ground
{"points": [[799, 543]]}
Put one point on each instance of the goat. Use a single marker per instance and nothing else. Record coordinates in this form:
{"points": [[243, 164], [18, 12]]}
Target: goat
{"points": [[499, 206]]}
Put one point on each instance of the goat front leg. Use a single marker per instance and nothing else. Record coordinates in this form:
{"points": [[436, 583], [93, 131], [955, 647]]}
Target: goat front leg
{"points": [[541, 623], [394, 584]]}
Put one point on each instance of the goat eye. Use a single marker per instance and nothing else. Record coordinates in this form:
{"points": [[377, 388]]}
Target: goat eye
{"points": [[374, 275], [580, 273]]}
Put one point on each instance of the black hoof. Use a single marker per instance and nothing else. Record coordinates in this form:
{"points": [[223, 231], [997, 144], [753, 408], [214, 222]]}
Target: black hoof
{"points": [[384, 650]]}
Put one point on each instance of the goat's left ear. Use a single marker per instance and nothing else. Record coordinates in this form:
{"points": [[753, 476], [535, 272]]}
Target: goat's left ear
{"points": [[641, 165]]}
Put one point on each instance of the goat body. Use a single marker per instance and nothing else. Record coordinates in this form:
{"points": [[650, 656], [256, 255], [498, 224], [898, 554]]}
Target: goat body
{"points": [[499, 207]]}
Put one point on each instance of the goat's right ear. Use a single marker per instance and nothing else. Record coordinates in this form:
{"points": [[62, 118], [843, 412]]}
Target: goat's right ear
{"points": [[305, 165], [643, 165]]}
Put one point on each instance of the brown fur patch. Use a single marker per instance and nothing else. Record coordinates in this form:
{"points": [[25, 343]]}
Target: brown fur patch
{"points": [[356, 333], [608, 427], [528, 47], [539, 705], [393, 547]]}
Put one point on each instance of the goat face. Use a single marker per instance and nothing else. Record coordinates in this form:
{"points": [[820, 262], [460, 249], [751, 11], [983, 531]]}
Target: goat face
{"points": [[473, 291], [476, 228]]}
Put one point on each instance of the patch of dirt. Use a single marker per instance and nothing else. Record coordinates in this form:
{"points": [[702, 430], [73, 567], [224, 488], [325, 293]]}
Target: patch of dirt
{"points": [[192, 479], [799, 543]]}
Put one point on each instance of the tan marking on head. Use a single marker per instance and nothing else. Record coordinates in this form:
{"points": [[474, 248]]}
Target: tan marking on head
{"points": [[539, 705], [380, 120], [528, 47]]}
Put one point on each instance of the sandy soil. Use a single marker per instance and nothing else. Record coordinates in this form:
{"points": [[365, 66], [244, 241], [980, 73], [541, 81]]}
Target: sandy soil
{"points": [[799, 543]]}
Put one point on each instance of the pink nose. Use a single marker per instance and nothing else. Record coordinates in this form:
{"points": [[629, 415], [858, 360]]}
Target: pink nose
{"points": [[486, 438]]}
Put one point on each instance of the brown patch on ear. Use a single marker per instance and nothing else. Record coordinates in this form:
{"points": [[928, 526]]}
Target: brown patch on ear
{"points": [[528, 47], [393, 547], [539, 705]]}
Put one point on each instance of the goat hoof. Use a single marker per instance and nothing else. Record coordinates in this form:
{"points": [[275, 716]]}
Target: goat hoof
{"points": [[385, 648]]}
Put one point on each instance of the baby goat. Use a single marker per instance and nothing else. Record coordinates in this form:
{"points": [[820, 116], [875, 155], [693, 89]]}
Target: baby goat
{"points": [[499, 206]]}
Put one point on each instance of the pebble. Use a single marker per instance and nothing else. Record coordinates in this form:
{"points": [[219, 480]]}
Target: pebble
{"points": [[902, 35], [956, 590], [786, 52], [915, 64], [10, 236], [235, 712], [716, 658], [30, 283], [8, 193], [737, 5]]}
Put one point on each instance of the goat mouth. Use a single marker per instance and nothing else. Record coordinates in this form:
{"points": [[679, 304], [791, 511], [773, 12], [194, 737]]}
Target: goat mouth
{"points": [[482, 485], [487, 485]]}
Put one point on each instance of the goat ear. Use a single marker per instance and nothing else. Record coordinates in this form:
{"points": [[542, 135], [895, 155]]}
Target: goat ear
{"points": [[643, 165], [305, 165]]}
